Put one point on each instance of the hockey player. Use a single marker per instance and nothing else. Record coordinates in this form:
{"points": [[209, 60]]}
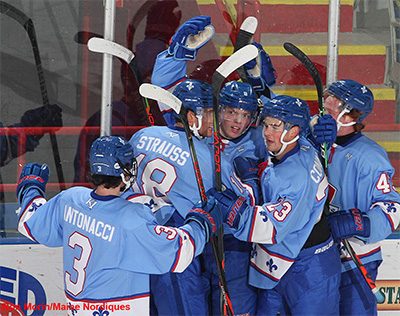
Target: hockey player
{"points": [[110, 246], [166, 173], [239, 109], [294, 263], [363, 200]]}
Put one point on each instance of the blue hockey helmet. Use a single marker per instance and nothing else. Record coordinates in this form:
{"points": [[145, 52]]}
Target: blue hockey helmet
{"points": [[354, 96], [112, 156], [238, 104], [195, 95], [292, 111], [241, 95]]}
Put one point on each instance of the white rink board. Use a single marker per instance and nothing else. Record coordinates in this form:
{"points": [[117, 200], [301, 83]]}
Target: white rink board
{"points": [[390, 270], [45, 265], [41, 266]]}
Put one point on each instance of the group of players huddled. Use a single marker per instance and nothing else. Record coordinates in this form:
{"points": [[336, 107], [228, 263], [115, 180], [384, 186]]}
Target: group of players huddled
{"points": [[140, 239]]}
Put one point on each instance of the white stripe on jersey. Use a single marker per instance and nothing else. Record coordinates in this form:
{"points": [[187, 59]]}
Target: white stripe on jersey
{"points": [[186, 253], [272, 265], [27, 214], [262, 231]]}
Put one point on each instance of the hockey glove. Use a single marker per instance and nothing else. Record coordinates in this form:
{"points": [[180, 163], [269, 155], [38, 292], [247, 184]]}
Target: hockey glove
{"points": [[49, 116], [231, 205], [324, 130], [191, 36], [35, 176], [248, 172], [208, 215], [260, 70], [349, 223], [246, 168]]}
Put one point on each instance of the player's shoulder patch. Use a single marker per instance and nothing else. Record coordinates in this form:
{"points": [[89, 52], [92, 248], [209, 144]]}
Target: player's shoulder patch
{"points": [[171, 134]]}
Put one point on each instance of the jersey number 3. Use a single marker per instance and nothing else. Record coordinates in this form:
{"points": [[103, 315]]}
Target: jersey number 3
{"points": [[80, 265]]}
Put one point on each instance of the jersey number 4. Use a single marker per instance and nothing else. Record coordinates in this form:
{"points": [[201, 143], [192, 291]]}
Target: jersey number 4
{"points": [[383, 183]]}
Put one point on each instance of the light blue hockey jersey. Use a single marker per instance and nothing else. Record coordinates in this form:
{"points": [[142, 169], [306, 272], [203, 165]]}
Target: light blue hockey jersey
{"points": [[168, 72], [110, 245], [250, 144], [360, 177], [166, 172], [294, 192]]}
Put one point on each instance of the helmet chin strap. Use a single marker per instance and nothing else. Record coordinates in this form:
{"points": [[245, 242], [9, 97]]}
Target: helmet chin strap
{"points": [[128, 183], [195, 129], [284, 144], [340, 124]]}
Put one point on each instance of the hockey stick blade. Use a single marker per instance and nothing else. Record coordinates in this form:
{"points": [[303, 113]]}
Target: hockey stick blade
{"points": [[303, 58], [243, 38], [236, 60], [82, 37], [101, 45], [246, 32], [159, 94]]}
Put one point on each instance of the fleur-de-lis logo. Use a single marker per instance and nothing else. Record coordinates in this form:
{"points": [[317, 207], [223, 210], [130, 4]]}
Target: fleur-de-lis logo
{"points": [[271, 265], [190, 86], [253, 251], [151, 204], [71, 308], [101, 312], [171, 134], [390, 207], [364, 89], [264, 214], [34, 207]]}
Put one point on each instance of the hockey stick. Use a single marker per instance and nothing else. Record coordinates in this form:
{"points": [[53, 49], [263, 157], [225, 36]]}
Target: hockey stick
{"points": [[101, 45], [83, 37], [27, 24], [232, 63], [161, 95], [303, 58], [246, 32]]}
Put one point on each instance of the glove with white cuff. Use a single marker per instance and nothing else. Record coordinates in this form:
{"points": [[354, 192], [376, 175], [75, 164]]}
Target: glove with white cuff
{"points": [[191, 36], [260, 70]]}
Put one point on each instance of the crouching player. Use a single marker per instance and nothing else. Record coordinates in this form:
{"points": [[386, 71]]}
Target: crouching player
{"points": [[110, 245], [294, 263]]}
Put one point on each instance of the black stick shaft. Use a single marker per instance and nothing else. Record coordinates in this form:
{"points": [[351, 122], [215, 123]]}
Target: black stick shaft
{"points": [[27, 24]]}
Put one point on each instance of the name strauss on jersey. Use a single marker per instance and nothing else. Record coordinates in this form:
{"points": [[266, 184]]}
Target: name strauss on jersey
{"points": [[88, 224], [164, 148]]}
